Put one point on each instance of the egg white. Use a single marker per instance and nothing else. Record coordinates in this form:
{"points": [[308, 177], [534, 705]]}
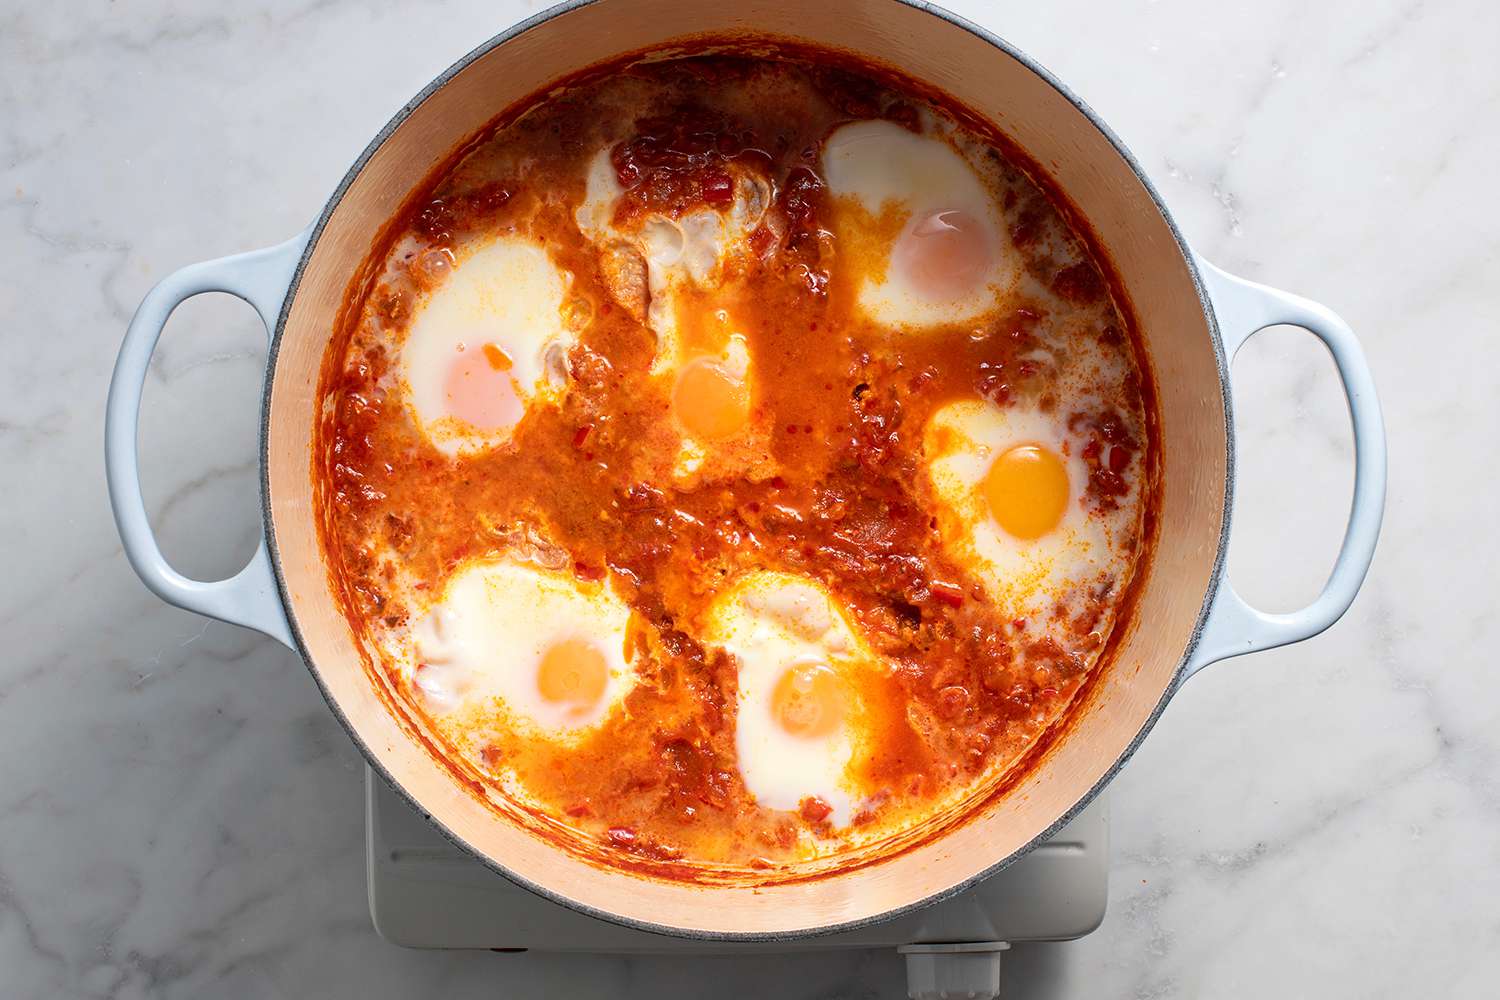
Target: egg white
{"points": [[652, 268], [880, 165], [508, 292], [479, 645], [770, 621], [1028, 576], [678, 254]]}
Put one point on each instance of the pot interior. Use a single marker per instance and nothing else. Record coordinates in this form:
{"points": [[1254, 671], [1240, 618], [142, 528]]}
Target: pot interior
{"points": [[1129, 226]]}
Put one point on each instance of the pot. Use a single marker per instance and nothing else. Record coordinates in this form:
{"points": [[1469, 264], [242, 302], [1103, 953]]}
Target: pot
{"points": [[1193, 316]]}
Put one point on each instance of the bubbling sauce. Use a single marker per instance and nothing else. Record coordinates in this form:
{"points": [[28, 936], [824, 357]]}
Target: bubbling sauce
{"points": [[736, 465]]}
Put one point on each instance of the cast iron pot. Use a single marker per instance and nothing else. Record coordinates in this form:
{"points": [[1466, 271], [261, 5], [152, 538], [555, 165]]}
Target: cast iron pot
{"points": [[1193, 316]]}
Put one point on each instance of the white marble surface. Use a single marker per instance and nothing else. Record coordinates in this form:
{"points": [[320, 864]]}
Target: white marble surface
{"points": [[179, 812]]}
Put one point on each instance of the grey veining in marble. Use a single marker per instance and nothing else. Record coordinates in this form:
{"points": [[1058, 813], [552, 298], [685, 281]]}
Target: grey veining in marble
{"points": [[180, 814]]}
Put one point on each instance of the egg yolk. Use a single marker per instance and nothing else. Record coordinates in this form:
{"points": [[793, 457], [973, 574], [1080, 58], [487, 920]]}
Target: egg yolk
{"points": [[710, 402], [944, 254], [572, 672], [808, 700], [480, 392], [1027, 490]]}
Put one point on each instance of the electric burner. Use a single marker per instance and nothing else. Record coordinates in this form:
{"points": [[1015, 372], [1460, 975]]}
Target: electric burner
{"points": [[427, 893]]}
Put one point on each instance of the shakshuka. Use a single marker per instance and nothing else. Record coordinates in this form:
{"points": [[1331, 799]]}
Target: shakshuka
{"points": [[736, 466]]}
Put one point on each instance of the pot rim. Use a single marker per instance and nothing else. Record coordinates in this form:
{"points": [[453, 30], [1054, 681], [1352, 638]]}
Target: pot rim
{"points": [[668, 930]]}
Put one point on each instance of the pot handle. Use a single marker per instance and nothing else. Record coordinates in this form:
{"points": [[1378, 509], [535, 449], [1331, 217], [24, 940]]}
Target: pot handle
{"points": [[250, 597], [1233, 627]]}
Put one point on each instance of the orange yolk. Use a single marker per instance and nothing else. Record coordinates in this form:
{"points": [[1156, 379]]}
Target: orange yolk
{"points": [[710, 403], [808, 700], [572, 673], [1027, 490], [944, 255], [480, 392]]}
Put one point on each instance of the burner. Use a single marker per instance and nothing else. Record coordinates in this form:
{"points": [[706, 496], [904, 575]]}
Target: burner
{"points": [[427, 893]]}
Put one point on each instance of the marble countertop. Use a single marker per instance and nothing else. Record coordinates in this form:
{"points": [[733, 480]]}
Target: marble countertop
{"points": [[180, 815]]}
